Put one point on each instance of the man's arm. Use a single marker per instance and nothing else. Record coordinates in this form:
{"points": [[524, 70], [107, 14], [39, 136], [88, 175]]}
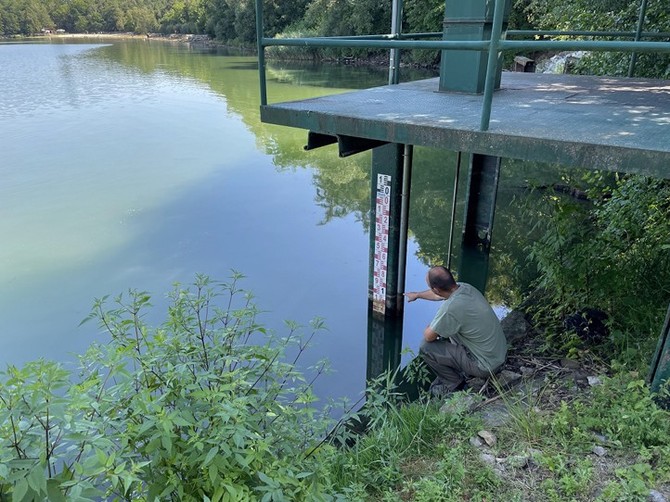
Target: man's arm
{"points": [[424, 295], [429, 334]]}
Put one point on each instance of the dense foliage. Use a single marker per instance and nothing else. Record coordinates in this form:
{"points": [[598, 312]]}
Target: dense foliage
{"points": [[226, 19], [28, 17], [612, 254], [208, 406], [202, 408], [233, 21], [610, 15]]}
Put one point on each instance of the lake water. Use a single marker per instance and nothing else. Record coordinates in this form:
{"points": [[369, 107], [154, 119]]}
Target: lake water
{"points": [[135, 164]]}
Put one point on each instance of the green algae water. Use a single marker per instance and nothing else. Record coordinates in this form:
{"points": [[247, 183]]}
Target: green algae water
{"points": [[137, 164]]}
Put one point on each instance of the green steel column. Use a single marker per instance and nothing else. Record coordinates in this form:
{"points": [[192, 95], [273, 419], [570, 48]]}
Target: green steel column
{"points": [[638, 33], [261, 52], [493, 65], [474, 72], [454, 201], [472, 20], [659, 372], [385, 297], [396, 29], [478, 225]]}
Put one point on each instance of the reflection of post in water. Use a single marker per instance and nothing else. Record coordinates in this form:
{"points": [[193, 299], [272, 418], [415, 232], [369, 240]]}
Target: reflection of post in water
{"points": [[384, 343], [478, 226]]}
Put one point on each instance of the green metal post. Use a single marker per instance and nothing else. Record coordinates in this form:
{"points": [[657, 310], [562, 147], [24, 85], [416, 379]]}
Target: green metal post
{"points": [[638, 32], [384, 345], [261, 52], [478, 225], [386, 201], [465, 71], [385, 297], [396, 29], [659, 373], [454, 199], [408, 157], [493, 69]]}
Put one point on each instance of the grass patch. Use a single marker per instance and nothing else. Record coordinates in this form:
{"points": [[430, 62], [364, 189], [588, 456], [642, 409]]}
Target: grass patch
{"points": [[607, 443]]}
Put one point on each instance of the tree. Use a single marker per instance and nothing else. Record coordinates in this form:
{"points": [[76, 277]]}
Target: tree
{"points": [[9, 19], [141, 20], [220, 19], [35, 17], [614, 15]]}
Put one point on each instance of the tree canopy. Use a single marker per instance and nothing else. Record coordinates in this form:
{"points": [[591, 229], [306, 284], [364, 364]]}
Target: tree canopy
{"points": [[233, 21]]}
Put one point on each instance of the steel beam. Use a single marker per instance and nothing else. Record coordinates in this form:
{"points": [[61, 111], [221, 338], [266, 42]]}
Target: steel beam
{"points": [[385, 224], [386, 244], [317, 140], [659, 373]]}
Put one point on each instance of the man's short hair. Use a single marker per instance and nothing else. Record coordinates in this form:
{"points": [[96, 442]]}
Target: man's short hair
{"points": [[441, 278]]}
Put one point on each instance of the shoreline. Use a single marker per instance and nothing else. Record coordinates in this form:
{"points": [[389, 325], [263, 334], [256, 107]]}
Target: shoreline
{"points": [[180, 38], [203, 41]]}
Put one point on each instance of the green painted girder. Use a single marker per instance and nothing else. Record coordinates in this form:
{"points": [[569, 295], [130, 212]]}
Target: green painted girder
{"points": [[616, 124], [659, 373], [347, 145]]}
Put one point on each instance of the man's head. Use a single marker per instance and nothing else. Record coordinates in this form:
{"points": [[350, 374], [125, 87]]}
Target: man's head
{"points": [[441, 281]]}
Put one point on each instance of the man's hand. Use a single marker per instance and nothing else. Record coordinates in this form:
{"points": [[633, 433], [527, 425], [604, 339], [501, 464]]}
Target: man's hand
{"points": [[411, 296], [424, 295]]}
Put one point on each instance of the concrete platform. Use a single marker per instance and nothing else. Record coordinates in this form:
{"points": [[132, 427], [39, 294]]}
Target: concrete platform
{"points": [[616, 124]]}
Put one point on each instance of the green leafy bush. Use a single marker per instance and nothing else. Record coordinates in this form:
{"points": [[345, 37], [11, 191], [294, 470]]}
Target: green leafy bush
{"points": [[208, 406], [612, 255]]}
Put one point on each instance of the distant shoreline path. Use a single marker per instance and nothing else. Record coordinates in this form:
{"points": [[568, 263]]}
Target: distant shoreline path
{"points": [[186, 38]]}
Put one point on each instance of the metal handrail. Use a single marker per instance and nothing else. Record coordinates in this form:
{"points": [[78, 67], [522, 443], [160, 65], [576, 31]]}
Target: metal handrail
{"points": [[593, 45], [493, 46], [516, 33]]}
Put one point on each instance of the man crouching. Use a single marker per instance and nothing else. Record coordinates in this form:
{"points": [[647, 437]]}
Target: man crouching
{"points": [[465, 338]]}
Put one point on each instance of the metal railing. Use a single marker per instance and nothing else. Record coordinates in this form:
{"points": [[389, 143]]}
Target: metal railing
{"points": [[493, 46]]}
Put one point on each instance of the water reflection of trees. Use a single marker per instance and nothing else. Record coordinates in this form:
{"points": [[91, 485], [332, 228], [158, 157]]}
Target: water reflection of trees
{"points": [[517, 219], [342, 186]]}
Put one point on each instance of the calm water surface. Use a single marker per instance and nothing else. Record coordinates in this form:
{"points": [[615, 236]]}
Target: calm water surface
{"points": [[137, 164]]}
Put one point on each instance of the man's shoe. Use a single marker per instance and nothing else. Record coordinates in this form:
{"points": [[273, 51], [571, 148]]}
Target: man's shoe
{"points": [[440, 389]]}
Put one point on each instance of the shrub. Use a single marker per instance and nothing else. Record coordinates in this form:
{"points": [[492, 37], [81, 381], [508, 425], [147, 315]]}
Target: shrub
{"points": [[205, 407]]}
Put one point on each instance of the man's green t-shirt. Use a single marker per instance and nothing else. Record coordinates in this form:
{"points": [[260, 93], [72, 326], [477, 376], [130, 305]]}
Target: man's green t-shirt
{"points": [[468, 319]]}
